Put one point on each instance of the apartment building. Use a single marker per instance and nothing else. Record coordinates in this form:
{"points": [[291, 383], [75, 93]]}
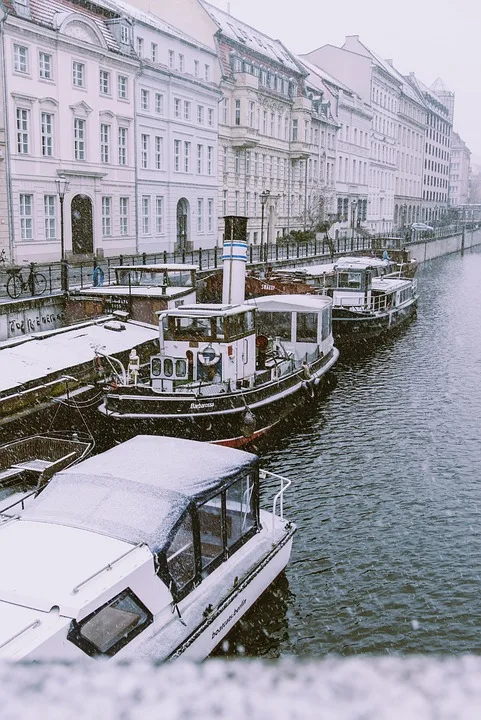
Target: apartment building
{"points": [[459, 172]]}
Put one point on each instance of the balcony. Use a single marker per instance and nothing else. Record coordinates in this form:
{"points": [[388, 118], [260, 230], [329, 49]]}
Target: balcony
{"points": [[246, 80], [244, 137], [299, 150]]}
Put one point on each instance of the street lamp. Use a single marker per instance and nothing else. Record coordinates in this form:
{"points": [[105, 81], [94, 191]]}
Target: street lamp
{"points": [[264, 196], [353, 215], [62, 187]]}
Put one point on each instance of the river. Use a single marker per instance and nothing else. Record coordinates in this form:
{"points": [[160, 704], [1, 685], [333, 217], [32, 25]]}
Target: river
{"points": [[386, 493]]}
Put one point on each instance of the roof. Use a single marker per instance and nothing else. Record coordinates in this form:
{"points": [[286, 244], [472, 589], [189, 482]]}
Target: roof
{"points": [[207, 310], [324, 76], [361, 262], [291, 303], [37, 356], [139, 490], [251, 38]]}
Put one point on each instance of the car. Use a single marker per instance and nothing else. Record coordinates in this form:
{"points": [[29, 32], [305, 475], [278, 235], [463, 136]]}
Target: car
{"points": [[421, 226]]}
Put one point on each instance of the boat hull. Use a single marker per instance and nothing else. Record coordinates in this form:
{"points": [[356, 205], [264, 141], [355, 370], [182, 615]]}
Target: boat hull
{"points": [[350, 327], [235, 419]]}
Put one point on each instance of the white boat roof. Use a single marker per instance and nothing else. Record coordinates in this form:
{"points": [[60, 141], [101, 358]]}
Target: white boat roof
{"points": [[159, 267], [324, 269], [157, 291], [387, 284], [37, 356], [361, 262], [138, 491], [206, 310], [291, 303]]}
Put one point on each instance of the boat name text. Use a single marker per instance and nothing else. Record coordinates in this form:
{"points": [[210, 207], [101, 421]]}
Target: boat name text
{"points": [[201, 406], [228, 620]]}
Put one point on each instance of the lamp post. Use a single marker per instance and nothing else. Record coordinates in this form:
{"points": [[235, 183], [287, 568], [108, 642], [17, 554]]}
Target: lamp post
{"points": [[353, 216], [264, 196], [62, 187]]}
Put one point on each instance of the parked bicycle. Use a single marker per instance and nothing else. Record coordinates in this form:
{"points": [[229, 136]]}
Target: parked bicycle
{"points": [[36, 282]]}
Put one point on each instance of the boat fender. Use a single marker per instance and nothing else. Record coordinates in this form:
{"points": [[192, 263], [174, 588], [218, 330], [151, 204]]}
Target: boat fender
{"points": [[305, 370], [208, 356], [99, 369], [308, 389], [317, 381], [248, 423]]}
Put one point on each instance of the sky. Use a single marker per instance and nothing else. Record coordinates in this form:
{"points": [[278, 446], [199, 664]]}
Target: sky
{"points": [[433, 38]]}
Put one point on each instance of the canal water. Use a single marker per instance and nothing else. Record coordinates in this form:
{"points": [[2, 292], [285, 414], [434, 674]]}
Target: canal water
{"points": [[386, 493]]}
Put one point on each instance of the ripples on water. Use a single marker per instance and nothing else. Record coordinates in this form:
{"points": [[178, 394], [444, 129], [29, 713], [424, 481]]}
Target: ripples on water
{"points": [[387, 492]]}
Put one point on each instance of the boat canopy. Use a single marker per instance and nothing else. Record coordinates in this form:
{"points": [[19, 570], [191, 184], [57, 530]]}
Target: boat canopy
{"points": [[138, 491], [291, 303]]}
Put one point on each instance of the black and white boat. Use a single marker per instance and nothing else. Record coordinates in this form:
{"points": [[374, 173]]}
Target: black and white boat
{"points": [[368, 303], [229, 372], [152, 550]]}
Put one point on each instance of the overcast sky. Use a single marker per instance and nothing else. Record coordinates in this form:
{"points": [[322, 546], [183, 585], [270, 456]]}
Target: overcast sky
{"points": [[433, 38]]}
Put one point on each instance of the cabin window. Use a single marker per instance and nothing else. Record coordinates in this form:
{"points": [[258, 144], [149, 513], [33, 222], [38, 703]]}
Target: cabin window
{"points": [[240, 510], [219, 328], [351, 280], [250, 322], [274, 324], [112, 626], [155, 366], [181, 555], [211, 534], [187, 328], [306, 327], [326, 323], [168, 367], [181, 368]]}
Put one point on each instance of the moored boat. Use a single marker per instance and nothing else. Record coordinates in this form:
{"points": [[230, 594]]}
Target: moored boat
{"points": [[153, 549]]}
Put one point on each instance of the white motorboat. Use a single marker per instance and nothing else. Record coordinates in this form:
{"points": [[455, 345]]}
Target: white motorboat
{"points": [[153, 549]]}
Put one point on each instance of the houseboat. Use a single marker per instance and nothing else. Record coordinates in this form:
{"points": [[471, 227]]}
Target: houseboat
{"points": [[228, 372], [152, 550]]}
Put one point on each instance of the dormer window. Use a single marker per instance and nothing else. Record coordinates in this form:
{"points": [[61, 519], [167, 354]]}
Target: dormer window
{"points": [[22, 7], [124, 35]]}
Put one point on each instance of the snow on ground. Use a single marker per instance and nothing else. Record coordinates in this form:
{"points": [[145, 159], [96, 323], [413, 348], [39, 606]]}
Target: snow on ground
{"points": [[361, 688]]}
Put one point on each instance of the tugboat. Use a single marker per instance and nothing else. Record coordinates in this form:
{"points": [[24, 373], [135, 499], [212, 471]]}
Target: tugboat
{"points": [[227, 373], [151, 550]]}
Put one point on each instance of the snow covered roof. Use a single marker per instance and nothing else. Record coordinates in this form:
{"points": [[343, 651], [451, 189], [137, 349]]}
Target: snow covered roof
{"points": [[361, 262], [208, 310], [43, 354], [291, 303], [159, 266], [251, 38], [139, 490]]}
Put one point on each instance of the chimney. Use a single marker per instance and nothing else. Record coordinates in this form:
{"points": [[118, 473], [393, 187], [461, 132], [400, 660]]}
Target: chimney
{"points": [[234, 260]]}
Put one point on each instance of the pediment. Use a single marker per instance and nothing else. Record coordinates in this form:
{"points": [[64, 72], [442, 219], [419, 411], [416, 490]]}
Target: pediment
{"points": [[48, 101], [106, 114], [26, 99], [80, 28], [81, 109]]}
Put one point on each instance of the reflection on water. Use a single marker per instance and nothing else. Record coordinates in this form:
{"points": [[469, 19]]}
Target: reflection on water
{"points": [[386, 494]]}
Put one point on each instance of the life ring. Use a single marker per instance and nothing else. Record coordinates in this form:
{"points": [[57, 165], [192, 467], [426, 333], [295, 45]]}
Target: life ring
{"points": [[208, 356], [308, 389]]}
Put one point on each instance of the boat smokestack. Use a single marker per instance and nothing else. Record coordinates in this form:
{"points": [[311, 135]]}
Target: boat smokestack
{"points": [[234, 260]]}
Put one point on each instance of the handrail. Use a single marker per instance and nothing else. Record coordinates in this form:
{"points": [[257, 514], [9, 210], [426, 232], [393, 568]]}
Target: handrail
{"points": [[279, 498], [32, 625], [107, 567]]}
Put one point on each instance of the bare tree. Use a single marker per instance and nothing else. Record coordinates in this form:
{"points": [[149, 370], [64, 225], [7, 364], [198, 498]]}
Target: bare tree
{"points": [[318, 215]]}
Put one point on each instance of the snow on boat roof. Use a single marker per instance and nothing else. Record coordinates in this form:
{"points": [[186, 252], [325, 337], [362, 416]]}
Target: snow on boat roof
{"points": [[42, 354], [157, 267], [290, 303], [206, 310], [140, 290], [138, 491], [362, 262], [387, 284]]}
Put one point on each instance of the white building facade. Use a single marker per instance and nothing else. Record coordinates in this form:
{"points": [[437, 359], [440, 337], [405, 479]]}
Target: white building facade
{"points": [[460, 172]]}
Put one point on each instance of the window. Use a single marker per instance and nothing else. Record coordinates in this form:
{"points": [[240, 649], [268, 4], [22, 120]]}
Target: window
{"points": [[104, 82], [200, 215], [153, 52], [181, 63], [252, 106], [210, 159], [20, 58], [240, 506], [124, 34], [23, 123], [237, 112], [79, 138], [176, 107], [196, 68], [124, 215], [181, 557], [140, 47], [78, 74], [200, 159], [186, 110], [49, 213], [26, 220], [144, 150], [122, 87], [159, 103], [177, 155], [106, 216], [45, 66], [186, 157], [225, 157], [225, 111], [145, 215], [295, 130], [210, 214], [144, 99], [207, 73], [306, 327], [200, 114], [111, 627], [104, 143], [46, 122], [171, 59], [224, 202], [159, 152], [248, 162], [122, 146], [210, 117], [264, 122], [159, 215], [236, 206]]}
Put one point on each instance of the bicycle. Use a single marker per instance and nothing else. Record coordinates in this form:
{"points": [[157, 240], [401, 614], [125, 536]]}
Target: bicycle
{"points": [[36, 282]]}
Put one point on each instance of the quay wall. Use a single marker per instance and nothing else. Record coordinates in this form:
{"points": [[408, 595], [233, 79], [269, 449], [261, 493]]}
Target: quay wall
{"points": [[424, 250]]}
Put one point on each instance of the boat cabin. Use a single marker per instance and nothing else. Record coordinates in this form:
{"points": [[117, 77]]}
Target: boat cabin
{"points": [[354, 277]]}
